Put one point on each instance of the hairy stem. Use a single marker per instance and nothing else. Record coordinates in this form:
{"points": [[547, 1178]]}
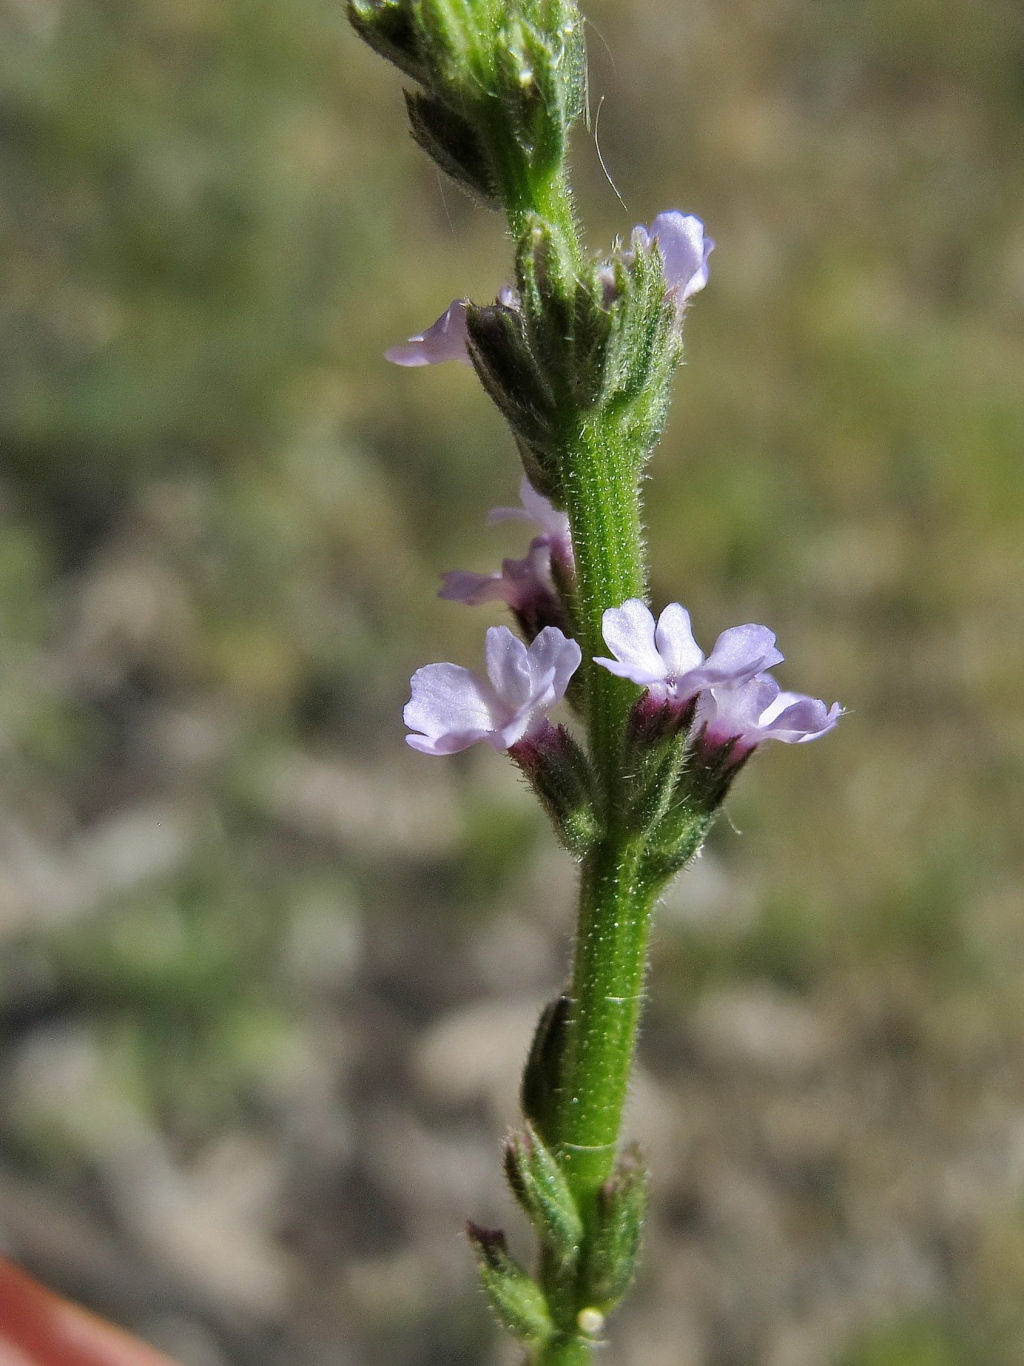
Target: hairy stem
{"points": [[573, 1351], [606, 995], [603, 503]]}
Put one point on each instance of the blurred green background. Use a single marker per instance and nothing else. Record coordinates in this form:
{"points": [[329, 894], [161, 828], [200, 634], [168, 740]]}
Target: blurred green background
{"points": [[266, 975]]}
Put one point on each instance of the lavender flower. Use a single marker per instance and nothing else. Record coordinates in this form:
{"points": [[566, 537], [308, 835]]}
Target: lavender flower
{"points": [[667, 660], [446, 339], [553, 523], [684, 254], [452, 708], [738, 719], [527, 585], [684, 251], [518, 583], [443, 340]]}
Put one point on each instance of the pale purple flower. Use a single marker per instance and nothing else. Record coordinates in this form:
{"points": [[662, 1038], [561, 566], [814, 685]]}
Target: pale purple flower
{"points": [[452, 708], [447, 339], [665, 658], [684, 251], [518, 583], [740, 718], [527, 585], [553, 523], [443, 340]]}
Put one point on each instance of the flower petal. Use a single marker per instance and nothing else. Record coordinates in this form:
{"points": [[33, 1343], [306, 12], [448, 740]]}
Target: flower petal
{"points": [[535, 508], [629, 634], [675, 643], [443, 340], [684, 251], [508, 668], [451, 707], [739, 653], [553, 651], [462, 585]]}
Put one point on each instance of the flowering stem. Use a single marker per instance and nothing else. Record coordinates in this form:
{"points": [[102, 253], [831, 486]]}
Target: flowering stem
{"points": [[578, 355]]}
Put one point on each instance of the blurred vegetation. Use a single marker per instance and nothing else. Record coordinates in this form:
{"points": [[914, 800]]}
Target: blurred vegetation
{"points": [[231, 902]]}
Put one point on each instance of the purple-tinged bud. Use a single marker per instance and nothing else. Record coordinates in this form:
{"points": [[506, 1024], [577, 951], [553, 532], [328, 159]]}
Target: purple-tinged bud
{"points": [[618, 1232], [684, 252], [515, 1297], [452, 708], [443, 340], [560, 774], [539, 1185], [654, 720]]}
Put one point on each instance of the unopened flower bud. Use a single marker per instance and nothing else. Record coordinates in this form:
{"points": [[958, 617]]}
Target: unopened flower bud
{"points": [[560, 774], [516, 1299]]}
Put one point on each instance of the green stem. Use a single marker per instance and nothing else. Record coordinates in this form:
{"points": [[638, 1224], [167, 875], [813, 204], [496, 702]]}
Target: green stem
{"points": [[602, 498], [606, 994], [603, 502], [563, 1352]]}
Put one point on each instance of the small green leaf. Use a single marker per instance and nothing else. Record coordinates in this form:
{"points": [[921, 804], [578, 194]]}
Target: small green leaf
{"points": [[540, 1187], [615, 1247], [542, 1075], [516, 1299]]}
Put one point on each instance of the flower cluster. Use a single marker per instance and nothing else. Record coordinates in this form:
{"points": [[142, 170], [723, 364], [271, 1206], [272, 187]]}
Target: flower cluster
{"points": [[733, 703], [684, 254], [726, 702]]}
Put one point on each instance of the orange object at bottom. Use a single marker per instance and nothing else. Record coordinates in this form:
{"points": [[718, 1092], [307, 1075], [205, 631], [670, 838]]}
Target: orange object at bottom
{"points": [[39, 1328]]}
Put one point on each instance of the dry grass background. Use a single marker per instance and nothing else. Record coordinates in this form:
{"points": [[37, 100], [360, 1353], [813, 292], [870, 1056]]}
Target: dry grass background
{"points": [[266, 976]]}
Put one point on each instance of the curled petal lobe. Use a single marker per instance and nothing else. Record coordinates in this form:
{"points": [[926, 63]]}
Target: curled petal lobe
{"points": [[684, 252], [741, 651], [443, 340], [741, 718], [795, 719]]}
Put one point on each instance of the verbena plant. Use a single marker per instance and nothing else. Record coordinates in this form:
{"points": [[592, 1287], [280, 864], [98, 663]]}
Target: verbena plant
{"points": [[579, 355]]}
